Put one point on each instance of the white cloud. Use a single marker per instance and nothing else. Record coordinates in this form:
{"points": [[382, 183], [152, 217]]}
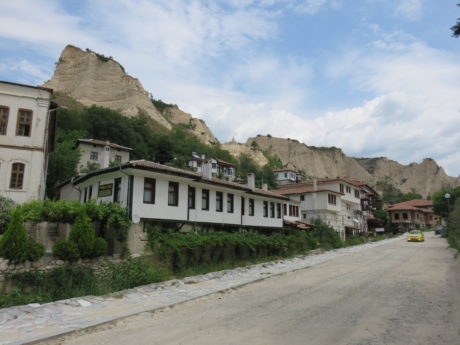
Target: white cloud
{"points": [[410, 9]]}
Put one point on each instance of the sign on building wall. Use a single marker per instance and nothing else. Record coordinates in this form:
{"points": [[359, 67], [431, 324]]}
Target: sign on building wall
{"points": [[379, 229], [105, 190]]}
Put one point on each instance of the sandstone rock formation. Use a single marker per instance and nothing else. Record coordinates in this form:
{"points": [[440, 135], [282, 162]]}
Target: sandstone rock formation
{"points": [[425, 178], [194, 126], [236, 149], [90, 78]]}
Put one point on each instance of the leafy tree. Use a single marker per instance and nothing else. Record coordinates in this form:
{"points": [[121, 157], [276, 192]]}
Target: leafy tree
{"points": [[392, 195], [441, 204], [6, 205], [327, 237], [456, 28]]}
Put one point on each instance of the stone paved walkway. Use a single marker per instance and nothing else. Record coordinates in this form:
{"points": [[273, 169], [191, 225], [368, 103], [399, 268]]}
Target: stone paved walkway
{"points": [[33, 322]]}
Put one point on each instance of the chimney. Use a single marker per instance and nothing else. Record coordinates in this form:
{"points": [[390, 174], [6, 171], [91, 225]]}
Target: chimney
{"points": [[265, 186], [206, 169], [252, 181], [106, 155]]}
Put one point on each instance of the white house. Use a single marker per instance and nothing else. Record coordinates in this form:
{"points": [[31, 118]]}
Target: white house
{"points": [[153, 192], [27, 127], [219, 168], [336, 201], [101, 153], [286, 176]]}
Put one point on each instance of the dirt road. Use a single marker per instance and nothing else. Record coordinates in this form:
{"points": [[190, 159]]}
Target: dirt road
{"points": [[398, 293]]}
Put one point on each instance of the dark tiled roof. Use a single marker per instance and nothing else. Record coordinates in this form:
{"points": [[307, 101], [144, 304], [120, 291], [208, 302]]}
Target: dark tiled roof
{"points": [[103, 143]]}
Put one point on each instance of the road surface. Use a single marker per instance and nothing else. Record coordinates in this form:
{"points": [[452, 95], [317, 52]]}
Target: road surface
{"points": [[398, 293]]}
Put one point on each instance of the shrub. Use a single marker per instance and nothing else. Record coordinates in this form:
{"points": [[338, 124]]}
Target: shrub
{"points": [[327, 237], [99, 247], [13, 244], [34, 250], [82, 234], [66, 250], [6, 205]]}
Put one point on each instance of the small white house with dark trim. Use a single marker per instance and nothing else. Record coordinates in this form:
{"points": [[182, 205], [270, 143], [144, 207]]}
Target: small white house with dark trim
{"points": [[287, 176], [153, 192], [101, 153], [219, 168]]}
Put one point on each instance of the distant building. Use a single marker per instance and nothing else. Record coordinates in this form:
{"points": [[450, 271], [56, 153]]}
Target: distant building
{"points": [[412, 214], [343, 204], [219, 168], [27, 128], [287, 176], [99, 154]]}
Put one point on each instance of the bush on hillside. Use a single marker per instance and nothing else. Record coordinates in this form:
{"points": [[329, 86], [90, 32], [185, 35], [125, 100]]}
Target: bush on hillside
{"points": [[6, 205], [327, 237], [66, 250], [82, 234]]}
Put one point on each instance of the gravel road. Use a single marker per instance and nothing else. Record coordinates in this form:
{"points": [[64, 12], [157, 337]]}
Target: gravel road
{"points": [[397, 293]]}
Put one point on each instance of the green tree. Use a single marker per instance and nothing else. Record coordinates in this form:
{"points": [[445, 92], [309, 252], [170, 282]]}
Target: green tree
{"points": [[82, 234], [15, 245], [441, 205], [456, 28]]}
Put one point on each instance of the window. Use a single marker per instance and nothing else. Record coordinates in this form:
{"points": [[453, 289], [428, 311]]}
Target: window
{"points": [[149, 190], [17, 176], [191, 197], [24, 124], [230, 203], [285, 175], [332, 199], [242, 206], [404, 215], [93, 156], [285, 209], [90, 193], [117, 158], [205, 199], [278, 210], [85, 197], [348, 207], [251, 207], [272, 210], [117, 190], [173, 194], [4, 112], [304, 215], [219, 205], [341, 188], [348, 189], [265, 208], [356, 193], [396, 215], [302, 197], [290, 211]]}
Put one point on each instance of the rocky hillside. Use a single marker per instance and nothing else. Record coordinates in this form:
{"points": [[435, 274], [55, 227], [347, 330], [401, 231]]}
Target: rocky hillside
{"points": [[425, 178], [90, 78]]}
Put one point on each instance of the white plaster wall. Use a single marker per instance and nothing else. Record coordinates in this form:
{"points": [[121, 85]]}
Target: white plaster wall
{"points": [[18, 97]]}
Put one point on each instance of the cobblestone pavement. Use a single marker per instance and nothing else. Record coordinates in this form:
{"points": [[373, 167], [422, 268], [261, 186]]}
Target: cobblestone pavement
{"points": [[33, 322]]}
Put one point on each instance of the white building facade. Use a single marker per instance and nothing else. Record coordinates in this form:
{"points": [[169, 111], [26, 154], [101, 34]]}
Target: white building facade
{"points": [[155, 192], [337, 202], [27, 126], [101, 154]]}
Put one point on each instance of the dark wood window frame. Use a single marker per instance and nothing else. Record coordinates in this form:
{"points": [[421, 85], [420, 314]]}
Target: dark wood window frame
{"points": [[251, 207], [205, 199], [17, 175], [24, 128], [272, 210], [4, 121], [219, 201], [230, 202], [173, 193], [265, 209], [149, 186], [278, 210], [191, 197]]}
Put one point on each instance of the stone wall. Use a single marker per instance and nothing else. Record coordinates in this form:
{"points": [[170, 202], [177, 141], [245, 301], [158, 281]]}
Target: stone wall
{"points": [[47, 264]]}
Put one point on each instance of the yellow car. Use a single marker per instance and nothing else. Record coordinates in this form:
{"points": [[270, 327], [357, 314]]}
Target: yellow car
{"points": [[416, 236]]}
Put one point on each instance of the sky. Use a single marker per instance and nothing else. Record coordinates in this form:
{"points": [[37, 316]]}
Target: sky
{"points": [[372, 77]]}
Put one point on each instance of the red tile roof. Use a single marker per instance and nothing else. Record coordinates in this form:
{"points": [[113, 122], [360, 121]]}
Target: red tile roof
{"points": [[411, 205], [300, 189]]}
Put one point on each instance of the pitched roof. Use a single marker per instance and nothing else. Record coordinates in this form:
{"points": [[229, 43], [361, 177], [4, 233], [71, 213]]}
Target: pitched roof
{"points": [[284, 169], [103, 143], [300, 189], [411, 205], [161, 168]]}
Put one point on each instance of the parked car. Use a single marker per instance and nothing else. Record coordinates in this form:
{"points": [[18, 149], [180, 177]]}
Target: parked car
{"points": [[438, 230], [415, 236]]}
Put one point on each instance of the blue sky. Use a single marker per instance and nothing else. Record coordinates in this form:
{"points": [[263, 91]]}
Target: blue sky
{"points": [[373, 77]]}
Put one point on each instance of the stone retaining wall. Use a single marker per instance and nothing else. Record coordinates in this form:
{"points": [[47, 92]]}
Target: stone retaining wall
{"points": [[47, 264]]}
